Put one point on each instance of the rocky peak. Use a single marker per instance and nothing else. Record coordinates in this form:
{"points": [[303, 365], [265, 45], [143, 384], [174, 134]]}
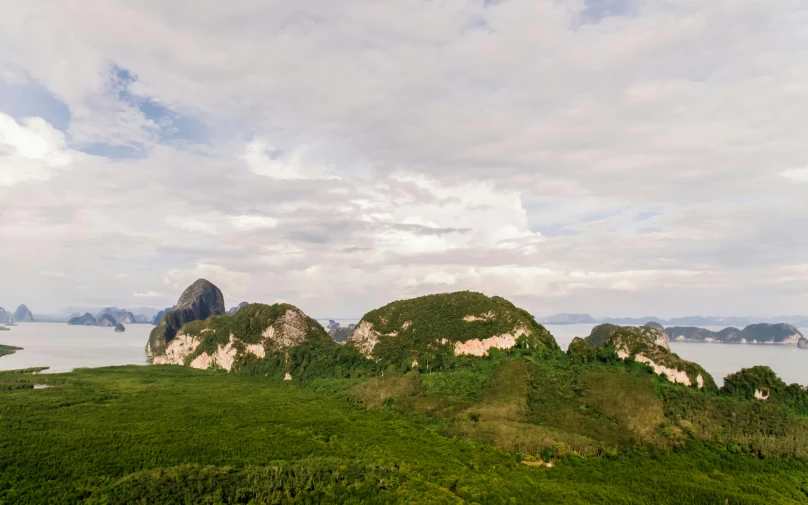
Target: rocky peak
{"points": [[86, 320], [5, 317], [198, 302], [23, 315]]}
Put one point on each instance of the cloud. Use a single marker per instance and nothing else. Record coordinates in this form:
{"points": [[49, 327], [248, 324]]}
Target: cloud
{"points": [[796, 174], [31, 150], [461, 145], [149, 294], [252, 222], [48, 273]]}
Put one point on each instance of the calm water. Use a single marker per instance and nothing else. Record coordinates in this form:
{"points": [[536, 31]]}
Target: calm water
{"points": [[63, 348], [720, 360]]}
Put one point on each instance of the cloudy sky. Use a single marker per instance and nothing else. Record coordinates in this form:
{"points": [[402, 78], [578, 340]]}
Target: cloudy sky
{"points": [[615, 157]]}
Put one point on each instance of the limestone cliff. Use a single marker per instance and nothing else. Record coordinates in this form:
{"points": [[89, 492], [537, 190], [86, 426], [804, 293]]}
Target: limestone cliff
{"points": [[23, 315], [256, 330], [645, 345], [430, 329], [198, 302]]}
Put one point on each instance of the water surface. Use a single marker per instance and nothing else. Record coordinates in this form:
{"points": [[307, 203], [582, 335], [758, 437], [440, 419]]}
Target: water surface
{"points": [[63, 347]]}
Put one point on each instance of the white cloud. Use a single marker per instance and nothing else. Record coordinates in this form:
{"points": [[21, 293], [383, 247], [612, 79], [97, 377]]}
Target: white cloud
{"points": [[252, 222], [796, 174], [264, 159], [49, 273], [31, 150], [149, 294], [482, 144]]}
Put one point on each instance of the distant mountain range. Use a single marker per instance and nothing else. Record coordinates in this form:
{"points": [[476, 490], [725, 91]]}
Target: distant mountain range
{"points": [[798, 321]]}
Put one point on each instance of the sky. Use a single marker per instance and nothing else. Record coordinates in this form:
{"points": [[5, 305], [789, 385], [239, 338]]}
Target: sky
{"points": [[615, 157]]}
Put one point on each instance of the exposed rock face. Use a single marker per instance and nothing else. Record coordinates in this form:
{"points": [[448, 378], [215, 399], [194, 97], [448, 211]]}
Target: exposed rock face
{"points": [[772, 334], [86, 320], [419, 330], [198, 302], [645, 345], [5, 317], [235, 309], [120, 328], [106, 320], [803, 343], [23, 315], [254, 331]]}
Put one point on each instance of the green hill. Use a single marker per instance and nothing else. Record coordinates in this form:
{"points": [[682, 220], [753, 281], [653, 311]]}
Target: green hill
{"points": [[644, 344], [272, 340], [430, 332]]}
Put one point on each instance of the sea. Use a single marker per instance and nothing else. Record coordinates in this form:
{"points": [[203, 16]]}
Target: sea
{"points": [[62, 348]]}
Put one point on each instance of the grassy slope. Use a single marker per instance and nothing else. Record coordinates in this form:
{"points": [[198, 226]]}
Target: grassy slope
{"points": [[177, 435]]}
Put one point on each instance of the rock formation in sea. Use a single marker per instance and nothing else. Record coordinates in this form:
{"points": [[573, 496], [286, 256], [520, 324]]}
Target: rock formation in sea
{"points": [[4, 316], [120, 328], [23, 315], [86, 320], [106, 320], [764, 333]]}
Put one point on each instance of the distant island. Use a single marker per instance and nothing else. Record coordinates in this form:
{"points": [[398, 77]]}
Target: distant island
{"points": [[21, 315], [771, 334], [86, 320], [739, 322]]}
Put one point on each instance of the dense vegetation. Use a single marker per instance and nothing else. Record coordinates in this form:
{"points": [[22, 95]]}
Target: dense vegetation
{"points": [[424, 329], [168, 434], [636, 341]]}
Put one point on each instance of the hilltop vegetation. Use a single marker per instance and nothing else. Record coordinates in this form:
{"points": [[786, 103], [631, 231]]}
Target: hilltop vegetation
{"points": [[425, 332], [175, 435]]}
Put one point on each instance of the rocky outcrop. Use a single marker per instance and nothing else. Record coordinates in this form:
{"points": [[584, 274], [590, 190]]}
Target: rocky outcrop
{"points": [[199, 301], [120, 328], [803, 343], [23, 315], [86, 320], [771, 334], [5, 317], [106, 320], [235, 309], [644, 345], [120, 315], [257, 331], [419, 330]]}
